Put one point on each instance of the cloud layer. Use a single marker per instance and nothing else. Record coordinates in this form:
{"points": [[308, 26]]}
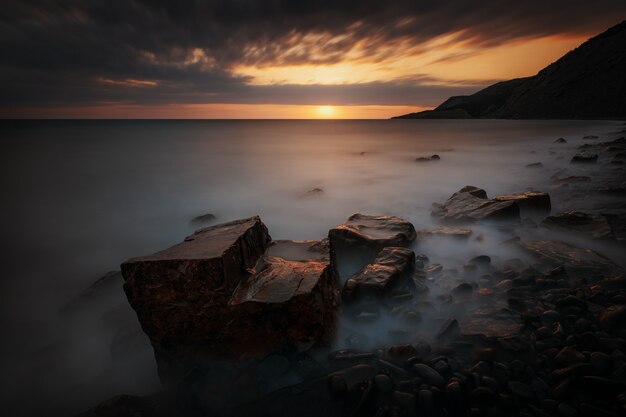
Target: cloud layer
{"points": [[80, 52]]}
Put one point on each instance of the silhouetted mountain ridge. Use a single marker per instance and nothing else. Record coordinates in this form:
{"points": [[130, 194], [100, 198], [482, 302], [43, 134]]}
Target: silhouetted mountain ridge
{"points": [[589, 82]]}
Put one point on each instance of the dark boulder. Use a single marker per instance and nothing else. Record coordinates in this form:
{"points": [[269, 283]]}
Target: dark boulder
{"points": [[428, 158], [373, 232], [592, 226], [583, 158], [576, 261], [456, 232], [203, 298], [392, 268], [470, 204], [613, 318], [203, 219], [529, 202], [284, 303]]}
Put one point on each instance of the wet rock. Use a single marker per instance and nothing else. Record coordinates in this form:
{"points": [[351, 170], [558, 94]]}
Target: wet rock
{"points": [[601, 387], [203, 219], [404, 401], [455, 398], [560, 140], [181, 293], [428, 158], [274, 365], [582, 158], [450, 329], [429, 375], [612, 319], [314, 192], [456, 232], [463, 289], [402, 352], [572, 179], [568, 356], [284, 303], [300, 250], [373, 231], [576, 261], [483, 397], [601, 362], [434, 269], [591, 226], [481, 261], [520, 389], [384, 384], [529, 202], [470, 204], [392, 268], [425, 402], [616, 190], [337, 385]]}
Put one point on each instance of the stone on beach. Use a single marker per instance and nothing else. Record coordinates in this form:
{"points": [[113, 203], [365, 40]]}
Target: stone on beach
{"points": [[375, 232], [391, 269], [584, 158], [285, 303], [470, 204], [592, 226], [428, 158], [576, 261], [196, 299], [456, 232], [529, 202]]}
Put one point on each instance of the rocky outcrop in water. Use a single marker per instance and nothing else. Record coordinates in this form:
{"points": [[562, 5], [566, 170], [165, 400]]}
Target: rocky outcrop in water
{"points": [[533, 203], [372, 232], [392, 268], [217, 295], [470, 204]]}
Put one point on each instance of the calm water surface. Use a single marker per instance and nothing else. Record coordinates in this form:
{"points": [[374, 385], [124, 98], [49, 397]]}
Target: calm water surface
{"points": [[79, 197]]}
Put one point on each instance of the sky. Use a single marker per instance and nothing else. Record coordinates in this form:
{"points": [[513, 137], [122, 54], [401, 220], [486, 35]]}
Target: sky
{"points": [[275, 58]]}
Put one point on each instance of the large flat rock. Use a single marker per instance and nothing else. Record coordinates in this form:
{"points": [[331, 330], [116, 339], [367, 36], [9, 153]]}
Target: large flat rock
{"points": [[373, 231], [533, 203], [392, 268], [577, 261], [285, 303], [180, 293], [470, 204], [589, 225]]}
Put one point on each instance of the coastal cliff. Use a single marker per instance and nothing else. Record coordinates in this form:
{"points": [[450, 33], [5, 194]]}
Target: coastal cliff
{"points": [[589, 82]]}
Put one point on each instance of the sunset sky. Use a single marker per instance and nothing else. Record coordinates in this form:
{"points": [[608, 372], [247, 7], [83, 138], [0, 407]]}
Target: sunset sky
{"points": [[274, 58]]}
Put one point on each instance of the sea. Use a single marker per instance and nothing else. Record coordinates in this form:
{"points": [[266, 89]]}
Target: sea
{"points": [[81, 196]]}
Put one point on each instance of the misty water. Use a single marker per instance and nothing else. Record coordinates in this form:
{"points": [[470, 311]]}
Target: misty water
{"points": [[79, 197]]}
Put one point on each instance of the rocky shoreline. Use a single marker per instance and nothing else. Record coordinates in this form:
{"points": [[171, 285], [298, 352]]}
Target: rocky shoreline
{"points": [[243, 325]]}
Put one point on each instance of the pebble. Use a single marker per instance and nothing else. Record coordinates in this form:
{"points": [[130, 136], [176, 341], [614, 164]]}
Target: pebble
{"points": [[428, 374], [520, 389], [384, 384], [483, 397]]}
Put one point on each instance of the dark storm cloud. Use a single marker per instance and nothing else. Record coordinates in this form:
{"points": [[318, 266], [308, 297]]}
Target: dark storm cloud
{"points": [[94, 51]]}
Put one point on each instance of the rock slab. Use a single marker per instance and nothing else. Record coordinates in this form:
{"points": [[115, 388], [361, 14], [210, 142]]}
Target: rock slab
{"points": [[216, 295], [392, 267], [470, 204]]}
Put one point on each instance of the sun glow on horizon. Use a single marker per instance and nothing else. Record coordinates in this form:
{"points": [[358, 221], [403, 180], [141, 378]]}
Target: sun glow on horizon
{"points": [[326, 111]]}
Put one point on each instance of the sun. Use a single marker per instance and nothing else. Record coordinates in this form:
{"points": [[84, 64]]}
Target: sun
{"points": [[325, 111]]}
